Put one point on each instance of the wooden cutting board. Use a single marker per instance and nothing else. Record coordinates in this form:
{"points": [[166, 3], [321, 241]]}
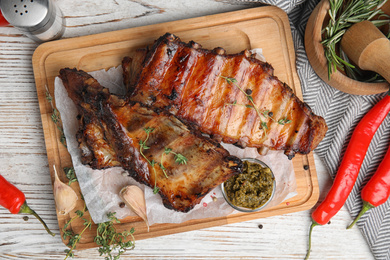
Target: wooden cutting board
{"points": [[264, 27]]}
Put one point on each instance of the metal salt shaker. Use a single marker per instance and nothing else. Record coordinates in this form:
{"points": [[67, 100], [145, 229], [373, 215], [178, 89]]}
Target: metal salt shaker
{"points": [[41, 20]]}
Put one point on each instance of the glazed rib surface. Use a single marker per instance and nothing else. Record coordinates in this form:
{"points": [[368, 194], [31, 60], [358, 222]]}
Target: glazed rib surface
{"points": [[205, 88], [122, 127]]}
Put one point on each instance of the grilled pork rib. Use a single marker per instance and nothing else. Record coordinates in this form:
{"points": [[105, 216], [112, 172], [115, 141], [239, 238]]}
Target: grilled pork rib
{"points": [[202, 87], [123, 127]]}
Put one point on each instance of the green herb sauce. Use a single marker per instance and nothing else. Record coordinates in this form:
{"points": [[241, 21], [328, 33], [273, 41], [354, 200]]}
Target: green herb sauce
{"points": [[252, 188]]}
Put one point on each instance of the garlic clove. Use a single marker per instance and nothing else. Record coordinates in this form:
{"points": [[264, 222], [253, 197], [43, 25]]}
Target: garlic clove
{"points": [[134, 198], [64, 196]]}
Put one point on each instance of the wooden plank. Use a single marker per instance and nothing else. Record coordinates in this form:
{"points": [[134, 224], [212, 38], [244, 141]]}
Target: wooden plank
{"points": [[265, 27]]}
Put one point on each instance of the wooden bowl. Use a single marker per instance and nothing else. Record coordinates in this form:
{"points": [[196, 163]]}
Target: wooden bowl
{"points": [[315, 54]]}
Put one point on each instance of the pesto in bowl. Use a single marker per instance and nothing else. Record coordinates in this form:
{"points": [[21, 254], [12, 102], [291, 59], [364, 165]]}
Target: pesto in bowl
{"points": [[252, 189]]}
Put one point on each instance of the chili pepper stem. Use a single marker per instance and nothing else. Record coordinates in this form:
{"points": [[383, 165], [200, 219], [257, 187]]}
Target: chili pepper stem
{"points": [[366, 206], [26, 209], [313, 224]]}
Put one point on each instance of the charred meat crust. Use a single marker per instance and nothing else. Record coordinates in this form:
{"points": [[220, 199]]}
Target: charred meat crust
{"points": [[95, 149], [185, 79], [131, 68], [122, 126]]}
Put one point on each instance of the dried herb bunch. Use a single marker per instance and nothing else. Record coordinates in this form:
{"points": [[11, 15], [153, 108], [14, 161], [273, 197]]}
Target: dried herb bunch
{"points": [[343, 14]]}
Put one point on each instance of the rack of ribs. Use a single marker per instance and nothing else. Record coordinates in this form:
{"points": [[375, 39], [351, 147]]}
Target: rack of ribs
{"points": [[212, 90], [113, 130]]}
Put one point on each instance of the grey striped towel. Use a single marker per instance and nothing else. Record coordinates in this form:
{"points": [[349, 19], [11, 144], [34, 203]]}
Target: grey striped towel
{"points": [[342, 112]]}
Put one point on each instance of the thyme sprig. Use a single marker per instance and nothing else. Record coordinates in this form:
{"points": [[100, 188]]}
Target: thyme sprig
{"points": [[69, 233], [265, 113], [109, 240], [142, 147], [284, 121], [107, 237], [249, 97], [70, 174], [179, 158], [343, 14], [55, 117]]}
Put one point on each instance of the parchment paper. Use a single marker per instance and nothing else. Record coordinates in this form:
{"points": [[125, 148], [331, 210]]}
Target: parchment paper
{"points": [[100, 188]]}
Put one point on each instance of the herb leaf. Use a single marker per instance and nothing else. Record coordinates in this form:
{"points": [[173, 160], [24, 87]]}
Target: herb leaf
{"points": [[284, 121], [70, 174], [55, 117], [180, 159]]}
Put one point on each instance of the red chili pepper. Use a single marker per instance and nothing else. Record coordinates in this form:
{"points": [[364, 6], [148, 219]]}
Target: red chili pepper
{"points": [[14, 200], [3, 22], [350, 165], [377, 190]]}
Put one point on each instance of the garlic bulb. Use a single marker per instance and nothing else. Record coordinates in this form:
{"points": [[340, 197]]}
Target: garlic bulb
{"points": [[64, 196], [134, 198]]}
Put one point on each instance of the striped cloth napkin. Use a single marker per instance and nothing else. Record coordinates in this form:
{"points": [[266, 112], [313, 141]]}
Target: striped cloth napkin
{"points": [[342, 112]]}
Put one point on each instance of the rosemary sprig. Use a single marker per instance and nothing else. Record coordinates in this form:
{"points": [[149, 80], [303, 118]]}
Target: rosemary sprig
{"points": [[343, 14], [265, 113], [55, 117], [179, 158]]}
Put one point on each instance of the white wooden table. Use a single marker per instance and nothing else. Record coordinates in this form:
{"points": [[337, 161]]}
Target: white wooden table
{"points": [[23, 159]]}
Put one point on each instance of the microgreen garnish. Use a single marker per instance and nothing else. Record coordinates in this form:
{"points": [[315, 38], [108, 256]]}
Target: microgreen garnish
{"points": [[55, 117], [179, 158], [265, 113], [343, 14]]}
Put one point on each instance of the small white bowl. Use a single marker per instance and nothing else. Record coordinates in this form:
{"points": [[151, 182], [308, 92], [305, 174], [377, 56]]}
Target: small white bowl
{"points": [[243, 209]]}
